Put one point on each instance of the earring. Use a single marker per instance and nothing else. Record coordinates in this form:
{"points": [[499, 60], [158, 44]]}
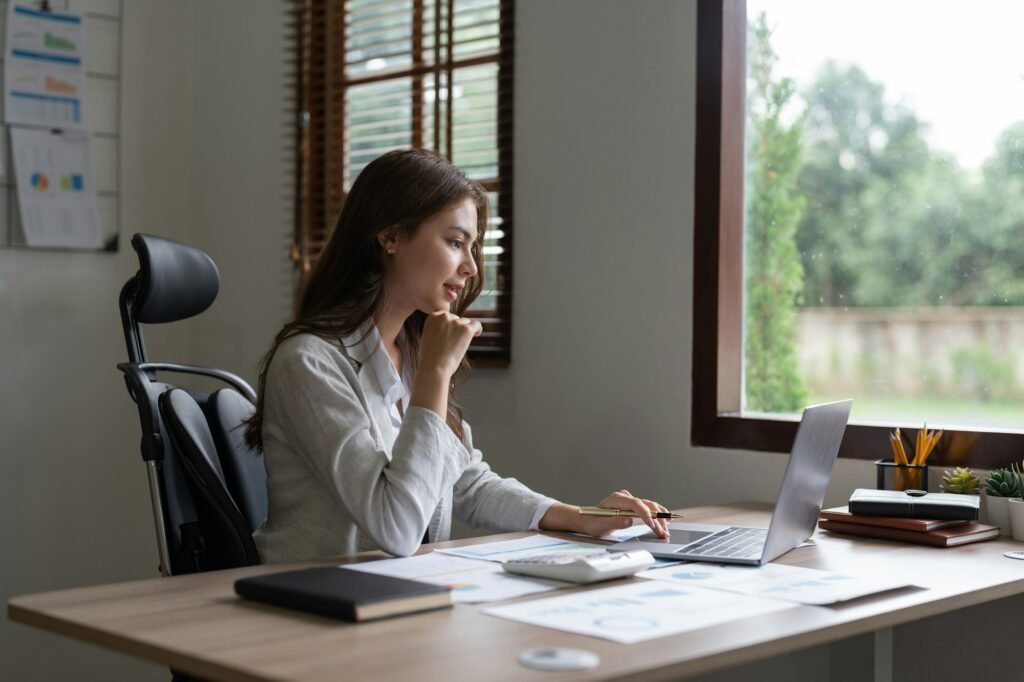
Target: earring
{"points": [[391, 252]]}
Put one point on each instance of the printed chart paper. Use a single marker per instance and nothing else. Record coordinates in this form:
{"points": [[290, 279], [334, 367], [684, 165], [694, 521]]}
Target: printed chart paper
{"points": [[56, 192], [472, 581], [638, 611], [44, 74], [518, 549], [775, 581]]}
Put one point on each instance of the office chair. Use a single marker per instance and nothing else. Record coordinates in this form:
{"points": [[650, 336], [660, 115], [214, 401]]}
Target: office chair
{"points": [[228, 541], [208, 489]]}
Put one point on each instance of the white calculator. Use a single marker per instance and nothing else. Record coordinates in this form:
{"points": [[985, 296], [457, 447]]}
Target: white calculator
{"points": [[581, 567]]}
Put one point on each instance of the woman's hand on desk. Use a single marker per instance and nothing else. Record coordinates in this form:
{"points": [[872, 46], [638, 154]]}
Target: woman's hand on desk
{"points": [[566, 517]]}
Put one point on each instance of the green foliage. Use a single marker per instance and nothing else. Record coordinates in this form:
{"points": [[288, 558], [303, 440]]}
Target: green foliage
{"points": [[983, 374], [1002, 483], [890, 222], [861, 154], [1017, 471], [774, 275], [962, 481]]}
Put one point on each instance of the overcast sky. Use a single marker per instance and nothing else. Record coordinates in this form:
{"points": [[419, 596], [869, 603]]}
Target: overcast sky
{"points": [[959, 65]]}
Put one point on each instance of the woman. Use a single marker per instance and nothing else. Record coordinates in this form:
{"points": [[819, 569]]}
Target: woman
{"points": [[363, 442]]}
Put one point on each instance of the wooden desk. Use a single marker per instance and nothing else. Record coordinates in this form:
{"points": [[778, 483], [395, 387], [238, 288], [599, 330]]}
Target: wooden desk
{"points": [[196, 624]]}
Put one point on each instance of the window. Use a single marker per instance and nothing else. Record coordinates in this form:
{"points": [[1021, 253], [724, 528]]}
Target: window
{"points": [[853, 237], [376, 75]]}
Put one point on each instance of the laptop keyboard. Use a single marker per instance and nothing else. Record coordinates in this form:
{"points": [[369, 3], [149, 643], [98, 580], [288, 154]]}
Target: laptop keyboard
{"points": [[739, 543]]}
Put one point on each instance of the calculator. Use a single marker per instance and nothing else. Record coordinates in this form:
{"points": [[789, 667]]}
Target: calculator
{"points": [[581, 567]]}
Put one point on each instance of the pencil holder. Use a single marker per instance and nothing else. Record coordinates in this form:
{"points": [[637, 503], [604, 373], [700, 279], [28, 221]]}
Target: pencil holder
{"points": [[892, 476]]}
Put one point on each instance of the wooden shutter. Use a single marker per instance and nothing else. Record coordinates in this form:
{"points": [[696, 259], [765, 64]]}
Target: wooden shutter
{"points": [[376, 75]]}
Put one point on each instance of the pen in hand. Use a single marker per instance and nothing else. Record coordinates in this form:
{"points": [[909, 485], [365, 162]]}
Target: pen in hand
{"points": [[605, 511]]}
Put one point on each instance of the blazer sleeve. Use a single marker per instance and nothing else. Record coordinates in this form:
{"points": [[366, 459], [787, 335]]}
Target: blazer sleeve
{"points": [[484, 499], [322, 417]]}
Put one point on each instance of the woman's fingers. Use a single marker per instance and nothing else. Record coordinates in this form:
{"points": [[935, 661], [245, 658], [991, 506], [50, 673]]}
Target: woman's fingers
{"points": [[644, 509], [445, 338], [662, 523], [635, 504]]}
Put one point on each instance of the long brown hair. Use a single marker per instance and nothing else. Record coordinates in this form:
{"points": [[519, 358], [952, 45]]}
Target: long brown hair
{"points": [[400, 189]]}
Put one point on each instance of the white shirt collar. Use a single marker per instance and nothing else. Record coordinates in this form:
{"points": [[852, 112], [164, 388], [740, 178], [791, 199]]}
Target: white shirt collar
{"points": [[365, 346]]}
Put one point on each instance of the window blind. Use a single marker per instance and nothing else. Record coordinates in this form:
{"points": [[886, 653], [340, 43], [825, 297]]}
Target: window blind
{"points": [[377, 75]]}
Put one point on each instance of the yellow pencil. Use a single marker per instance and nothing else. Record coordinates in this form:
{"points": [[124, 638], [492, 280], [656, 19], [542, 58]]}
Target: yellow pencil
{"points": [[899, 444], [919, 444]]}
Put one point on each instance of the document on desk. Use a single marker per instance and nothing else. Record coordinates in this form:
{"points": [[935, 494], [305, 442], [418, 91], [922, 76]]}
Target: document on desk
{"points": [[776, 581], [525, 548], [518, 549], [638, 611], [472, 581]]}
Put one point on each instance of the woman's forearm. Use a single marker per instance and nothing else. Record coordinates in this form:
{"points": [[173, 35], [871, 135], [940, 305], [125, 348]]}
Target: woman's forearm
{"points": [[563, 517], [430, 391]]}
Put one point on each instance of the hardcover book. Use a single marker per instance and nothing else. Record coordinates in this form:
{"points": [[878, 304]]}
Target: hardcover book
{"points": [[843, 515], [940, 537], [916, 503], [342, 593]]}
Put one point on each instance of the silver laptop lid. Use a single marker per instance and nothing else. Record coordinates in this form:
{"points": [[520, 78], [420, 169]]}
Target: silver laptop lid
{"points": [[806, 479]]}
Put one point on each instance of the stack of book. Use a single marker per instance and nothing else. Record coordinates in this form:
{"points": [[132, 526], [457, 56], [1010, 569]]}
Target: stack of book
{"points": [[935, 532]]}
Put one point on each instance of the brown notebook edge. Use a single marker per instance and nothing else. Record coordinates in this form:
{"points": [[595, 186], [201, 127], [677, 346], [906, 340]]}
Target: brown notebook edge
{"points": [[943, 537], [843, 515]]}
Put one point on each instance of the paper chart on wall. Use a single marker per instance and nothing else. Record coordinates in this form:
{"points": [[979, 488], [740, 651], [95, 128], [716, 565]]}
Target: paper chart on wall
{"points": [[44, 73], [56, 191], [638, 611]]}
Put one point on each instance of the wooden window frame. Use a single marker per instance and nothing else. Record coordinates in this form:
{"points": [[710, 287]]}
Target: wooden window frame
{"points": [[320, 86], [718, 275]]}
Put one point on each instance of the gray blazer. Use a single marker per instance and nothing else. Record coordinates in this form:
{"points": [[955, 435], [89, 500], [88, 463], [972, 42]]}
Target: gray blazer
{"points": [[342, 478]]}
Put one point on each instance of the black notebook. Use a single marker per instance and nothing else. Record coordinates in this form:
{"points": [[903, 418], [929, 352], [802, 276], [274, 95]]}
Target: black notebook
{"points": [[340, 593], [924, 505]]}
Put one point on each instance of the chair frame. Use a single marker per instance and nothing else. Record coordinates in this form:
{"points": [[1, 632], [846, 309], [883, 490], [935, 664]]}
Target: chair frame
{"points": [[144, 388]]}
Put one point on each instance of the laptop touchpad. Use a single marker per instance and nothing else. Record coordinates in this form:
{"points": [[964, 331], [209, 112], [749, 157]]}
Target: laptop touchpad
{"points": [[676, 536]]}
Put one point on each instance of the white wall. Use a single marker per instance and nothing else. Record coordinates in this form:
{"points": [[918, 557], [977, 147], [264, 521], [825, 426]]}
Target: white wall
{"points": [[241, 213], [74, 507]]}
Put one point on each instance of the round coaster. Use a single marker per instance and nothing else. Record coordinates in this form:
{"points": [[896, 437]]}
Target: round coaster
{"points": [[1015, 554], [559, 658]]}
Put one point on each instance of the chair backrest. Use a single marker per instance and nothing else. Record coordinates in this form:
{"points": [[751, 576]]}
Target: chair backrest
{"points": [[227, 532], [244, 473], [195, 528]]}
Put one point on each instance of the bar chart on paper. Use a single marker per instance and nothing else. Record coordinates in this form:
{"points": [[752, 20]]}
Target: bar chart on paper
{"points": [[637, 612], [44, 68]]}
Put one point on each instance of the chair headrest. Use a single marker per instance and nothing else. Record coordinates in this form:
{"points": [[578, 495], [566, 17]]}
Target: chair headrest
{"points": [[175, 280]]}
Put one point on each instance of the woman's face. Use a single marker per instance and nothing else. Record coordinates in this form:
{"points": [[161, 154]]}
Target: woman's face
{"points": [[429, 268]]}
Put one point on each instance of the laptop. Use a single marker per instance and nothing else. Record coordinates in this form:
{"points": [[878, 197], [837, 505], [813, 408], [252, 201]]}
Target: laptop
{"points": [[796, 510]]}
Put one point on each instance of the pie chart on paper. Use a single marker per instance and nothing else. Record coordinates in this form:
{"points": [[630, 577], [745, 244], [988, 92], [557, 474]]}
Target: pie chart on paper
{"points": [[40, 182], [463, 586]]}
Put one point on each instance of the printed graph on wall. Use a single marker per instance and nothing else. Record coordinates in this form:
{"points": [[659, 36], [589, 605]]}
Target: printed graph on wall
{"points": [[62, 72]]}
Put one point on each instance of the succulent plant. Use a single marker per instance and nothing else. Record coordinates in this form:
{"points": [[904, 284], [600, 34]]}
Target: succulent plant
{"points": [[1017, 471], [1002, 483], [962, 481]]}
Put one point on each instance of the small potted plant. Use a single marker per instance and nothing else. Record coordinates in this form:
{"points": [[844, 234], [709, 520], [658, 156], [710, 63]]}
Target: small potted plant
{"points": [[961, 481], [1016, 504], [1002, 484]]}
